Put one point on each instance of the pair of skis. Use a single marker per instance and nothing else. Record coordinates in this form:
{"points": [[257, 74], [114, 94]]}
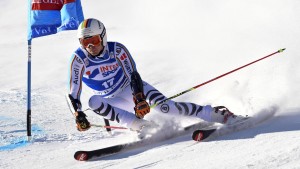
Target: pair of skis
{"points": [[201, 132], [107, 151]]}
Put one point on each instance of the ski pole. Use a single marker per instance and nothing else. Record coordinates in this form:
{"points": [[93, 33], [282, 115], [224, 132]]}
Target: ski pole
{"points": [[106, 126], [109, 127], [202, 84]]}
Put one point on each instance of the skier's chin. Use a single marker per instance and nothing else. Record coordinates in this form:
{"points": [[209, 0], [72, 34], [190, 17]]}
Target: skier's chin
{"points": [[94, 52]]}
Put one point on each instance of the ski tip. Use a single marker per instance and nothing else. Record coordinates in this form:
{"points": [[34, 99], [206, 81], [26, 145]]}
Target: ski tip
{"points": [[281, 50], [198, 136], [81, 156]]}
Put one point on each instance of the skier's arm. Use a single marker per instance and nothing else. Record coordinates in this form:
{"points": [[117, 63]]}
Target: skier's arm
{"points": [[141, 106], [128, 65], [75, 86], [125, 60], [76, 71]]}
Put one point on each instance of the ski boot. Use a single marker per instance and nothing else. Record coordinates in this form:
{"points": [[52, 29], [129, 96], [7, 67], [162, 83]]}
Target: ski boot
{"points": [[222, 115]]}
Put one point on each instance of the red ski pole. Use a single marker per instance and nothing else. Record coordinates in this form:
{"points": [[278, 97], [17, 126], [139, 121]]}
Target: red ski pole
{"points": [[108, 127], [202, 84]]}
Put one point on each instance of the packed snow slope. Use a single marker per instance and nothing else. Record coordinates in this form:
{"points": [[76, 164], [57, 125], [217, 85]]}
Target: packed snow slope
{"points": [[176, 44]]}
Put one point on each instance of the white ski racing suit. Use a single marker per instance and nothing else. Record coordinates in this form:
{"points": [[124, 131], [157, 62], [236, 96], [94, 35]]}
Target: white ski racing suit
{"points": [[108, 75]]}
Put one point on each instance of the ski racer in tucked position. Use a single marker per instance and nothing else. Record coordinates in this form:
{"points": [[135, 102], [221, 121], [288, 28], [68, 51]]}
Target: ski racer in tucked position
{"points": [[120, 94]]}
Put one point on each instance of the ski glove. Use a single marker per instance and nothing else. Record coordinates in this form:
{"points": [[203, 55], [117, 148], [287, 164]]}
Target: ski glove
{"points": [[141, 106], [82, 123]]}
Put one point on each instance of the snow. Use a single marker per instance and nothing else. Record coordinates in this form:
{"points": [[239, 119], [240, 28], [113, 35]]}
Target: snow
{"points": [[177, 44]]}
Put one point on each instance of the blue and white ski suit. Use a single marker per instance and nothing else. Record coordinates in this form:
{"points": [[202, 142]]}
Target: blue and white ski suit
{"points": [[108, 75]]}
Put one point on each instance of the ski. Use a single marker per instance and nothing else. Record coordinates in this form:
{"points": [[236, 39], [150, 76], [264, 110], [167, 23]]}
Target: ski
{"points": [[103, 152], [207, 134], [202, 134], [210, 133], [108, 151]]}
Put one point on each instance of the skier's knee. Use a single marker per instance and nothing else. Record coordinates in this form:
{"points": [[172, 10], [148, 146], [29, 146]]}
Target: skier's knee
{"points": [[95, 102]]}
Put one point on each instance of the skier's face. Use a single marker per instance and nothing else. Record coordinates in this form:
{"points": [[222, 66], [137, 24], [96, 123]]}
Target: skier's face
{"points": [[92, 44]]}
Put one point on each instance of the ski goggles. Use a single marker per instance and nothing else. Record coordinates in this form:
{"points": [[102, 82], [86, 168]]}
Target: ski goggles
{"points": [[93, 40]]}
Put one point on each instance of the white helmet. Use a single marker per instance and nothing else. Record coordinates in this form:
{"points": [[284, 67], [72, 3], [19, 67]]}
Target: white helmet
{"points": [[91, 27]]}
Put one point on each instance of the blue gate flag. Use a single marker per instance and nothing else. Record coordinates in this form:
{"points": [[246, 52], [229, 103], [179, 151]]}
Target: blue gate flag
{"points": [[46, 17]]}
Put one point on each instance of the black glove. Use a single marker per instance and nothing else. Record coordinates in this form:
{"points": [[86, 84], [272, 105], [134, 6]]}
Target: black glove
{"points": [[141, 106], [82, 123]]}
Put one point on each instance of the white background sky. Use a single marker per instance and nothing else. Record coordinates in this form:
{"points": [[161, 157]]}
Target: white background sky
{"points": [[176, 44]]}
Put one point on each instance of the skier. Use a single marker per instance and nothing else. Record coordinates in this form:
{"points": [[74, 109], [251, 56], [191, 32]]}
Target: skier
{"points": [[110, 71]]}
